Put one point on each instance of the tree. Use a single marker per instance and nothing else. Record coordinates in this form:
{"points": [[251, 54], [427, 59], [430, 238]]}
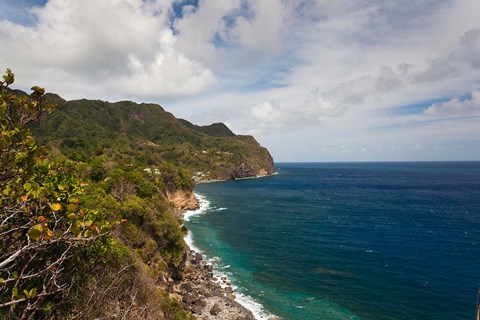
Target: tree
{"points": [[42, 225]]}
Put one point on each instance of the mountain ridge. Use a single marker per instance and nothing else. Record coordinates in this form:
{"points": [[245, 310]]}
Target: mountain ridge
{"points": [[82, 129]]}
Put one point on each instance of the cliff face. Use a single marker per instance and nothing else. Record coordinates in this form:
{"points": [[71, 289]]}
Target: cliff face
{"points": [[182, 201]]}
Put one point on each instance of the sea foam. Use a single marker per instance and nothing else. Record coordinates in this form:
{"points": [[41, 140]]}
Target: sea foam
{"points": [[248, 302]]}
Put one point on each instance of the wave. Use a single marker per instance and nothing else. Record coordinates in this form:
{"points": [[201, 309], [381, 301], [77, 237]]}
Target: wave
{"points": [[221, 277]]}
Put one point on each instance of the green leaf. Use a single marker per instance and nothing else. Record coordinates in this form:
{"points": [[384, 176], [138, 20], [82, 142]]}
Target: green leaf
{"points": [[20, 156], [38, 89], [32, 293], [35, 232], [2, 282], [75, 231], [27, 186], [72, 216]]}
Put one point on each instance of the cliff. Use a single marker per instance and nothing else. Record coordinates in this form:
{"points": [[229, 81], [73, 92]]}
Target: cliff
{"points": [[181, 201]]}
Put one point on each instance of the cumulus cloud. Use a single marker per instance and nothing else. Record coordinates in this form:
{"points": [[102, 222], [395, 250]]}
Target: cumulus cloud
{"points": [[456, 106], [262, 31], [263, 65], [124, 46]]}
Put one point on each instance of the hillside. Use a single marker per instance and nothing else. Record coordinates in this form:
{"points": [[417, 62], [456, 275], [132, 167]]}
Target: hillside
{"points": [[106, 183], [147, 135]]}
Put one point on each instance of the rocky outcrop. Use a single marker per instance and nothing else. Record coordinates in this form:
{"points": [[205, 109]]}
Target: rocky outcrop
{"points": [[244, 170], [182, 201], [202, 294]]}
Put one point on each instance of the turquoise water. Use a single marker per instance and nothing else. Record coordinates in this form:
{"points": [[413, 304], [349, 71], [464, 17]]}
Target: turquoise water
{"points": [[349, 240]]}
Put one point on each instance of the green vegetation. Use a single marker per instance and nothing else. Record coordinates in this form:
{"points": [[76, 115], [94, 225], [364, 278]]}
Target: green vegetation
{"points": [[146, 136], [87, 229], [85, 232]]}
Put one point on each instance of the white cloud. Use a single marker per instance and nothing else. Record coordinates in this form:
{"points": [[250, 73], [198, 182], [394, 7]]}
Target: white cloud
{"points": [[456, 106], [470, 42], [285, 70], [125, 47], [262, 32]]}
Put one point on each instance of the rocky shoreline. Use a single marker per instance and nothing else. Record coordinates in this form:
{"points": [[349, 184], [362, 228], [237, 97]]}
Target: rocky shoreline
{"points": [[201, 293], [199, 290]]}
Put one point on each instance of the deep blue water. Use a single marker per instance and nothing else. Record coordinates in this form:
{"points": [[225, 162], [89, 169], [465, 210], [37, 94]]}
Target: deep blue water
{"points": [[350, 240]]}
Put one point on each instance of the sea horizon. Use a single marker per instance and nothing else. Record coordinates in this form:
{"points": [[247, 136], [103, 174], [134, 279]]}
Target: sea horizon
{"points": [[211, 232]]}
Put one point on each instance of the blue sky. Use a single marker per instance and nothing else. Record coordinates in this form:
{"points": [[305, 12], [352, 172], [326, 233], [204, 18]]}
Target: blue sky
{"points": [[312, 80]]}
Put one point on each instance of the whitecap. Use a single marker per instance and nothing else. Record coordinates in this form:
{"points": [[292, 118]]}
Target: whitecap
{"points": [[204, 206]]}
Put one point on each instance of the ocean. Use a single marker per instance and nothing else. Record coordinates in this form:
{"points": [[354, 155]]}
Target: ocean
{"points": [[391, 241]]}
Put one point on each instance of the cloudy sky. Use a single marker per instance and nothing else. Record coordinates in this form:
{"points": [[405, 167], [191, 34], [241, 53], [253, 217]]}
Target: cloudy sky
{"points": [[312, 80]]}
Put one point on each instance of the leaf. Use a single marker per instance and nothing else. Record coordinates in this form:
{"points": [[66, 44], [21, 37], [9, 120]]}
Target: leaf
{"points": [[2, 282], [48, 235], [75, 231], [20, 156], [56, 206], [27, 186], [38, 89], [74, 200], [32, 293], [41, 219], [72, 216], [88, 223], [35, 232]]}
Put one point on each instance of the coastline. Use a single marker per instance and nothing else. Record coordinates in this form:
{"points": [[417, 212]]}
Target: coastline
{"points": [[238, 305], [236, 179]]}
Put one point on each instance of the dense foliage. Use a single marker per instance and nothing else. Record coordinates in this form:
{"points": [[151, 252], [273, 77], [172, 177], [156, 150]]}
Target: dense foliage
{"points": [[84, 239], [145, 135], [42, 225]]}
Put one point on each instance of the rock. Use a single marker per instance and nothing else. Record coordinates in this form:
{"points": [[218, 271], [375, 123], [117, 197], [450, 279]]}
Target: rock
{"points": [[190, 298], [244, 170], [215, 310], [186, 287], [201, 302], [197, 309]]}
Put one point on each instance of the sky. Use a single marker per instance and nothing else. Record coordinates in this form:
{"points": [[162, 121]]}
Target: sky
{"points": [[312, 80]]}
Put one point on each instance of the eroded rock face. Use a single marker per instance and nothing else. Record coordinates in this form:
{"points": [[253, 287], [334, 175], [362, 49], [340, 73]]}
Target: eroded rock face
{"points": [[244, 170], [182, 200]]}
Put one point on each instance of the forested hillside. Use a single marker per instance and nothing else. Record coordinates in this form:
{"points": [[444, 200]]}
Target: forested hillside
{"points": [[146, 135], [90, 196]]}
